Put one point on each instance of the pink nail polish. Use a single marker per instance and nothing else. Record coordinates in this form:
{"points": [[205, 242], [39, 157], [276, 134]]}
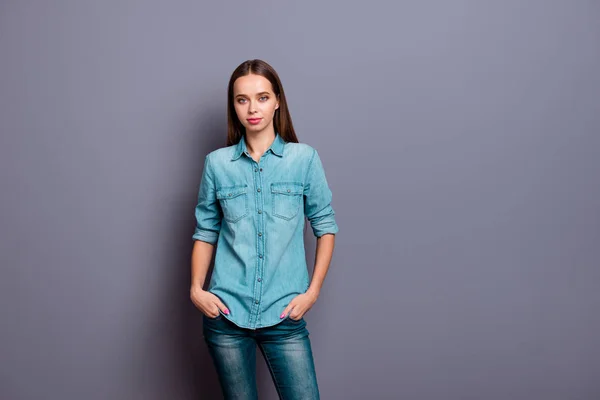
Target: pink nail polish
{"points": [[282, 315], [226, 311]]}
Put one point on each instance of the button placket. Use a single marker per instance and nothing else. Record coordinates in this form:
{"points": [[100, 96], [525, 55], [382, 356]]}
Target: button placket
{"points": [[260, 238]]}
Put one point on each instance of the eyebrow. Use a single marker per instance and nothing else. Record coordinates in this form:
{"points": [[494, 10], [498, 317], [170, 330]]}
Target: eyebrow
{"points": [[258, 94]]}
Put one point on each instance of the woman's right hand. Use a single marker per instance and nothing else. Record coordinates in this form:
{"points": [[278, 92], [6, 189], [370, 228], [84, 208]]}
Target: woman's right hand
{"points": [[207, 303]]}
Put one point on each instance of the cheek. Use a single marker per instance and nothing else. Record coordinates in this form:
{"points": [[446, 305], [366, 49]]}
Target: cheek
{"points": [[270, 110]]}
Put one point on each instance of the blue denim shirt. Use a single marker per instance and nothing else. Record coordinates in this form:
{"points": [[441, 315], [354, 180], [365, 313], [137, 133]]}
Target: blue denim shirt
{"points": [[255, 213]]}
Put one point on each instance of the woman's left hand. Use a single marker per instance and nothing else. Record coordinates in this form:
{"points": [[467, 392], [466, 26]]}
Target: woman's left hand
{"points": [[300, 305]]}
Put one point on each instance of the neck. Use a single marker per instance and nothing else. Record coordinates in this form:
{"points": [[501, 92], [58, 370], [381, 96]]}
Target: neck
{"points": [[258, 142]]}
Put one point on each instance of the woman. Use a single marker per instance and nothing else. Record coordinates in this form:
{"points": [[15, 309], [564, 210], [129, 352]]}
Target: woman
{"points": [[253, 199]]}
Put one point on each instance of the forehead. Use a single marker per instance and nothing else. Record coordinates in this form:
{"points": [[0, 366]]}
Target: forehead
{"points": [[251, 84]]}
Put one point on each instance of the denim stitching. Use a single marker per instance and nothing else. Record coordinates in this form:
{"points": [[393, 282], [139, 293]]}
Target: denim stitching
{"points": [[274, 196]]}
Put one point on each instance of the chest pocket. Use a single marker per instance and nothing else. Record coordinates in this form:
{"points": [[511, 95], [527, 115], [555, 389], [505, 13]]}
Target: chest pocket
{"points": [[234, 202], [286, 199]]}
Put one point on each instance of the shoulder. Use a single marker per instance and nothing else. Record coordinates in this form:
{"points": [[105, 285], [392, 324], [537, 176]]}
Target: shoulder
{"points": [[301, 151], [221, 154]]}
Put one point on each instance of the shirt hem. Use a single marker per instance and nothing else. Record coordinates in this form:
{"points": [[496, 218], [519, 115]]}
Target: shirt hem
{"points": [[258, 327]]}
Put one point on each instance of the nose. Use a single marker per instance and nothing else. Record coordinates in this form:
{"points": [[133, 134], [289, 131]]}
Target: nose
{"points": [[252, 107]]}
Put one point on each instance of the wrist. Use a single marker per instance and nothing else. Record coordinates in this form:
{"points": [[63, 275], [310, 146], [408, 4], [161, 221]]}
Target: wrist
{"points": [[313, 292], [196, 287]]}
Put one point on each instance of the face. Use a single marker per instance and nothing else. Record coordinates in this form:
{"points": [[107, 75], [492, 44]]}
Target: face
{"points": [[254, 102]]}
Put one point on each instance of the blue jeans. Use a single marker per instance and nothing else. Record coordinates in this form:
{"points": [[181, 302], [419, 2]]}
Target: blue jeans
{"points": [[285, 347]]}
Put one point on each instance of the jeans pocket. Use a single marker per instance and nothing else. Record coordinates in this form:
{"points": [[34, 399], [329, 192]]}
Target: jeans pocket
{"points": [[218, 317], [294, 321]]}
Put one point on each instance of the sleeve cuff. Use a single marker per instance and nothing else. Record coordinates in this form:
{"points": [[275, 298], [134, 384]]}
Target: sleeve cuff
{"points": [[325, 227], [206, 236]]}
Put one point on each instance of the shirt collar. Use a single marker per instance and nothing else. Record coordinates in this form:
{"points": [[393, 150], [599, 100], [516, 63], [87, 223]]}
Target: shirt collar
{"points": [[276, 147]]}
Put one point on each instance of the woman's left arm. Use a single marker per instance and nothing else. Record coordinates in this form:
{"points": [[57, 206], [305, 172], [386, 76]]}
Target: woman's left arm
{"points": [[324, 252], [303, 302], [320, 214]]}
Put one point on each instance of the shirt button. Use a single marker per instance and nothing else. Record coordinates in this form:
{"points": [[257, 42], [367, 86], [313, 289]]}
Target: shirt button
{"points": [[259, 233], [261, 170], [260, 256], [256, 301], [258, 190], [289, 190], [260, 211], [259, 279], [255, 170]]}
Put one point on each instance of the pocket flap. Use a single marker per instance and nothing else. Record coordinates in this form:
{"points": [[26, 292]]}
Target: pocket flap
{"points": [[291, 188], [229, 192]]}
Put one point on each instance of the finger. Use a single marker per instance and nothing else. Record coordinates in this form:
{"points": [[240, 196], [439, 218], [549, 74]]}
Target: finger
{"points": [[288, 309], [296, 313], [221, 306]]}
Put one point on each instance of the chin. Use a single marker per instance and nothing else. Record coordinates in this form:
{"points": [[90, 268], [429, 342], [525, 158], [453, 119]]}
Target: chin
{"points": [[255, 128]]}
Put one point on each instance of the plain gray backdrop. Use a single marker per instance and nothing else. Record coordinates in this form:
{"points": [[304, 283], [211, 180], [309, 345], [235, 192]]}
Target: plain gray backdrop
{"points": [[460, 139]]}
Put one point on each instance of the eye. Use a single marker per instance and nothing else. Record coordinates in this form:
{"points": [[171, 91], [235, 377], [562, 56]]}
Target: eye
{"points": [[265, 98], [240, 100]]}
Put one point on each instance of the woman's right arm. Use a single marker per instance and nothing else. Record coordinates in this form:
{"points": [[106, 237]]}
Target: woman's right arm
{"points": [[205, 301], [202, 253], [208, 226]]}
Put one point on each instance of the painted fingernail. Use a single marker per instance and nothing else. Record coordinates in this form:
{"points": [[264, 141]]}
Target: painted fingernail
{"points": [[226, 311], [282, 315]]}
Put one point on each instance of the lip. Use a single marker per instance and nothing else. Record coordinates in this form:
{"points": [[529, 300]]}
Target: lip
{"points": [[254, 121]]}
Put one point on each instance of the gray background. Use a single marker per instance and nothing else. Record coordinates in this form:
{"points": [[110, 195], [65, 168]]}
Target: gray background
{"points": [[460, 140]]}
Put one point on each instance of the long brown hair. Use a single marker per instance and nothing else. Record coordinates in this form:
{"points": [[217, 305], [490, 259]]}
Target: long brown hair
{"points": [[282, 120]]}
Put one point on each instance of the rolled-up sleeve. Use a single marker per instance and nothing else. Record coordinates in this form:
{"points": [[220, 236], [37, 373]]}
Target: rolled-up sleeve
{"points": [[317, 199], [208, 212]]}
